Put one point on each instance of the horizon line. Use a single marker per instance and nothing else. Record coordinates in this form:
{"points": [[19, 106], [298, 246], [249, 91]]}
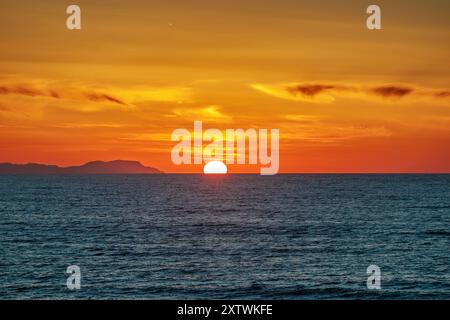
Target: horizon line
{"points": [[201, 173]]}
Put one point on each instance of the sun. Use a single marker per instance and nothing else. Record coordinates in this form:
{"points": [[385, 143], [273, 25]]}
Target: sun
{"points": [[215, 167]]}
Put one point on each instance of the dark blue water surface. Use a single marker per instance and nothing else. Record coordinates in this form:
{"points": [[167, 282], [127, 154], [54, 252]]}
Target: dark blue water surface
{"points": [[239, 236]]}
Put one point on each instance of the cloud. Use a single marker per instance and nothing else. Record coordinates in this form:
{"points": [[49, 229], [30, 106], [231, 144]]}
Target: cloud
{"points": [[443, 94], [392, 91], [300, 118], [329, 92], [290, 92], [162, 94], [209, 113], [331, 133], [128, 96], [309, 90], [20, 90], [88, 125], [59, 93], [94, 96]]}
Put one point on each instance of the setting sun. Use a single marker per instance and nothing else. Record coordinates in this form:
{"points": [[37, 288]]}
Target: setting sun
{"points": [[215, 167]]}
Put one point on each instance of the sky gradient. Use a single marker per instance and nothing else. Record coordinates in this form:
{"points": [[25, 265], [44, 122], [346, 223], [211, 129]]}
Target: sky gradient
{"points": [[345, 99]]}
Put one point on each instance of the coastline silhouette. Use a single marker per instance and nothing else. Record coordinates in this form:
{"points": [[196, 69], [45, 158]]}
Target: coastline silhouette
{"points": [[92, 167]]}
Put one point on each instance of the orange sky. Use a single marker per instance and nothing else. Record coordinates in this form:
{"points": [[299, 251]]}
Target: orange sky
{"points": [[345, 99]]}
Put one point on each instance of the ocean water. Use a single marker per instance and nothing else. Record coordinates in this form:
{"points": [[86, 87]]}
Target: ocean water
{"points": [[230, 237]]}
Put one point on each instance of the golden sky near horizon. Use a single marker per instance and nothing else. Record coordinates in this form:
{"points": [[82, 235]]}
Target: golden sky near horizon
{"points": [[346, 99]]}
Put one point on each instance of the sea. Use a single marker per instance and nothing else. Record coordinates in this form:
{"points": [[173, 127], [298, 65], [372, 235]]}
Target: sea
{"points": [[284, 237]]}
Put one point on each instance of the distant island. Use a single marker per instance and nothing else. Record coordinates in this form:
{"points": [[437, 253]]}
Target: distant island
{"points": [[93, 167]]}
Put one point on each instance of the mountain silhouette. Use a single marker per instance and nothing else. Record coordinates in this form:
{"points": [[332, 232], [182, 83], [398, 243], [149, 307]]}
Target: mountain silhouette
{"points": [[93, 167]]}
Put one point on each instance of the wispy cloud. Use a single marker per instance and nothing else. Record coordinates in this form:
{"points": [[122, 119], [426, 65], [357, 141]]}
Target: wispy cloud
{"points": [[329, 92], [392, 91], [25, 91], [330, 133], [208, 113], [312, 90], [69, 92], [162, 94], [95, 96], [300, 118], [128, 96], [443, 94]]}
